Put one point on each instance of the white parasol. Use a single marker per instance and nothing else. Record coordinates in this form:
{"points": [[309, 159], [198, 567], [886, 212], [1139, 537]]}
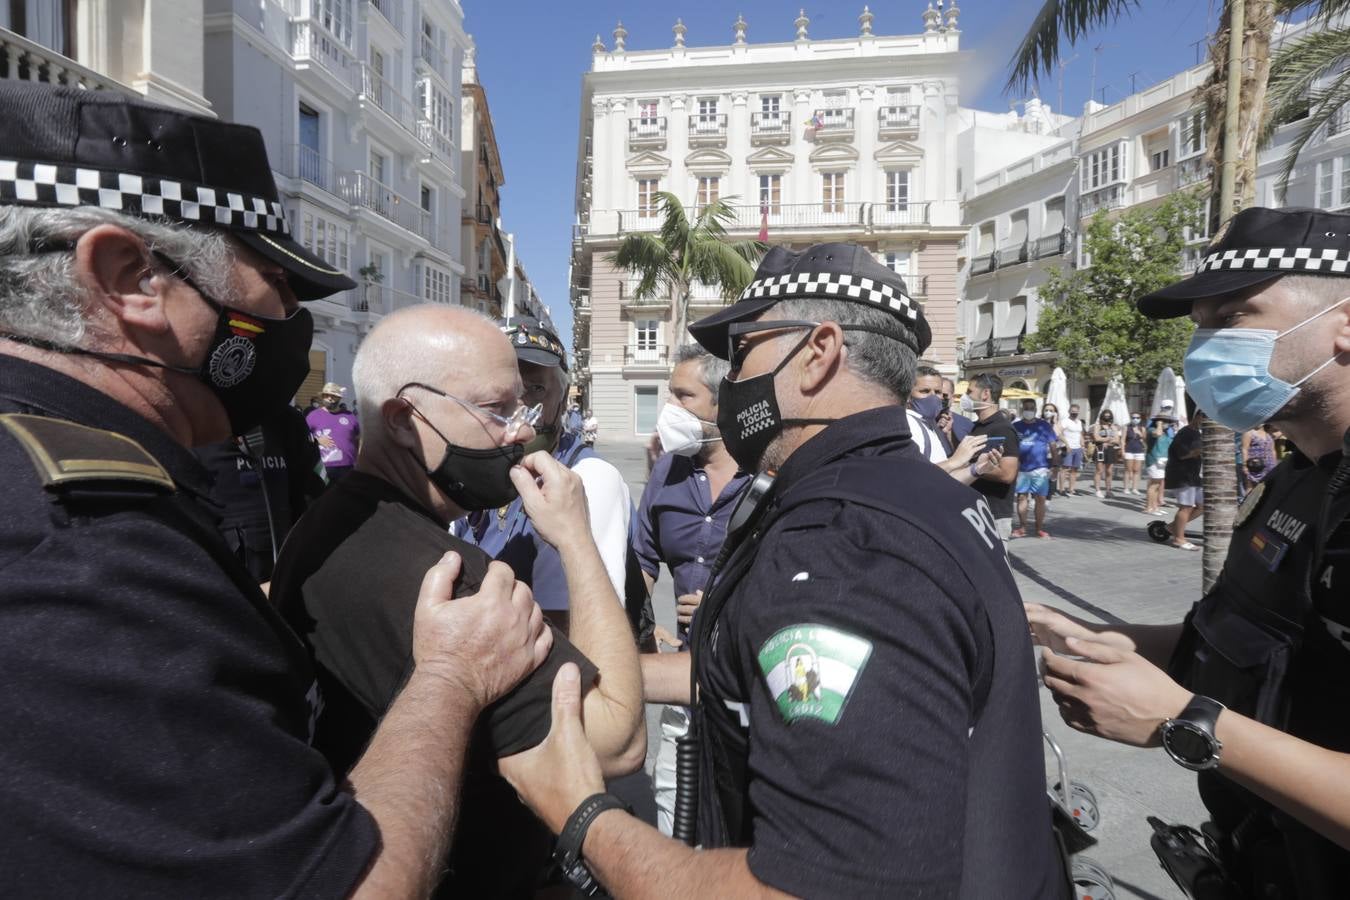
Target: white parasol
{"points": [[1115, 400], [1167, 389], [1057, 394], [1180, 400]]}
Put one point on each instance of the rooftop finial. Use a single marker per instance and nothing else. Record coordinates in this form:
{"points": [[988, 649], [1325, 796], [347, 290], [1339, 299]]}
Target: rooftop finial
{"points": [[679, 30], [599, 45], [865, 20], [931, 19], [953, 13], [739, 27], [801, 22], [620, 34]]}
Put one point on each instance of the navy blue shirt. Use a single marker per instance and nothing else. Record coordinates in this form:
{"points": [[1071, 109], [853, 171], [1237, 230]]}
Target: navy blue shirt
{"points": [[681, 524]]}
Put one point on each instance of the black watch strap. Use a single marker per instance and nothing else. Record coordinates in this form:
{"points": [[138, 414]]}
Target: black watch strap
{"points": [[568, 850], [1202, 712]]}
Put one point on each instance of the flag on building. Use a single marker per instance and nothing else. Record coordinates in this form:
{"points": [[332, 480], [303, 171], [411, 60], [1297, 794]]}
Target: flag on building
{"points": [[763, 221], [815, 123]]}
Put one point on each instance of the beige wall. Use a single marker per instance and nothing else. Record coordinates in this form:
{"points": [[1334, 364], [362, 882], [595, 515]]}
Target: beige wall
{"points": [[937, 260]]}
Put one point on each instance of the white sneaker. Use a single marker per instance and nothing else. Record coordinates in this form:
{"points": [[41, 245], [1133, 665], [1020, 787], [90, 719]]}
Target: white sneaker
{"points": [[1100, 494]]}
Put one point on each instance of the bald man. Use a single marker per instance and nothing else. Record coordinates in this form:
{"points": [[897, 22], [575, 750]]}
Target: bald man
{"points": [[439, 393]]}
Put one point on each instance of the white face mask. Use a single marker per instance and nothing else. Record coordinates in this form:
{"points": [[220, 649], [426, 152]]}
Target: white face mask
{"points": [[681, 431]]}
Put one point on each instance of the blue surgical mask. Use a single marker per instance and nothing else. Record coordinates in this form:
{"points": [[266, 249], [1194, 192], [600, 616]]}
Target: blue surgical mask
{"points": [[928, 407], [1228, 373]]}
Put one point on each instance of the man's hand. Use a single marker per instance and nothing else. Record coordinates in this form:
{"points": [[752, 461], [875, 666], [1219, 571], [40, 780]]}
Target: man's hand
{"points": [[988, 461], [554, 498], [325, 441], [685, 605], [1112, 693], [1050, 628], [654, 451], [555, 777], [965, 451], [665, 637], [486, 642]]}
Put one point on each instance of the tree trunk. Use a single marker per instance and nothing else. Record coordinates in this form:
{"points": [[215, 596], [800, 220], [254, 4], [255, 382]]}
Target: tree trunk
{"points": [[681, 300], [1220, 474]]}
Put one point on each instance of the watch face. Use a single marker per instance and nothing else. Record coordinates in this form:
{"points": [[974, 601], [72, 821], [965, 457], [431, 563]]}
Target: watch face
{"points": [[1189, 743]]}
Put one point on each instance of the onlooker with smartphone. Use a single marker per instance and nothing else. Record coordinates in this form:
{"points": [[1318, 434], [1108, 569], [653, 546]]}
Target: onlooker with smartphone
{"points": [[995, 425]]}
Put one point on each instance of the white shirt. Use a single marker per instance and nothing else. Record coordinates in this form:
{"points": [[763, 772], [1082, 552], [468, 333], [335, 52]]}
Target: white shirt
{"points": [[925, 437], [1072, 429], [610, 506]]}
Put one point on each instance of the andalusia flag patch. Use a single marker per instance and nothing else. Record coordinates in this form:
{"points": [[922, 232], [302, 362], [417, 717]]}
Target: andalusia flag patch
{"points": [[811, 670]]}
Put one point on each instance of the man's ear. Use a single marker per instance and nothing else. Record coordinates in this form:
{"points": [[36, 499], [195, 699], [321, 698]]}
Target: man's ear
{"points": [[823, 355], [1342, 344], [398, 415], [113, 264]]}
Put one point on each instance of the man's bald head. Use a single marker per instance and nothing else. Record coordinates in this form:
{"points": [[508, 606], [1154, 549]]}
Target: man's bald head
{"points": [[450, 348]]}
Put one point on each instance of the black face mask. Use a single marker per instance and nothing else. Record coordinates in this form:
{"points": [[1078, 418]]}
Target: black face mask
{"points": [[475, 479], [748, 415], [254, 365]]}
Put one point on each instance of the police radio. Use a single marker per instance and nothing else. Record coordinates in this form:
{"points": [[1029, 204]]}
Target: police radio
{"points": [[749, 510]]}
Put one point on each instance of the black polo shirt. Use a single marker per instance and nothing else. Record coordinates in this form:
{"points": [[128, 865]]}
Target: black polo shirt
{"points": [[157, 711], [868, 688], [347, 581]]}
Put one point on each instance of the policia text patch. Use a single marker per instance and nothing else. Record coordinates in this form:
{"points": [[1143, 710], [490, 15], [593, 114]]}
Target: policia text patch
{"points": [[811, 670]]}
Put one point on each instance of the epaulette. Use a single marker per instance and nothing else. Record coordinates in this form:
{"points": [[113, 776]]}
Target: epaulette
{"points": [[76, 460]]}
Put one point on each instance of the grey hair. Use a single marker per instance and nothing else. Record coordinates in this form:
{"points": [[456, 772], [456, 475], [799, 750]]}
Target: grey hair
{"points": [[886, 360], [40, 295], [711, 369]]}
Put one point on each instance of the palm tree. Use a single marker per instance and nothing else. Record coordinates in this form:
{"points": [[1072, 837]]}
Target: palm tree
{"points": [[684, 251], [1038, 54], [1305, 84]]}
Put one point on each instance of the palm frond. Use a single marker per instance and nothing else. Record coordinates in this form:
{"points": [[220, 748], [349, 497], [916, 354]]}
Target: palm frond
{"points": [[714, 217], [646, 256], [1323, 106], [1296, 68], [722, 263], [675, 226], [1058, 20], [1324, 10]]}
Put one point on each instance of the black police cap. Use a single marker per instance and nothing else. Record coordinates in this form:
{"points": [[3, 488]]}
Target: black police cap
{"points": [[65, 146], [534, 343], [838, 271], [1259, 245]]}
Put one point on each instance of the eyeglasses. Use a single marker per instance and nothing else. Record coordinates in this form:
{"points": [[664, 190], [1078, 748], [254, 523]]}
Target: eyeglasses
{"points": [[737, 330], [510, 424]]}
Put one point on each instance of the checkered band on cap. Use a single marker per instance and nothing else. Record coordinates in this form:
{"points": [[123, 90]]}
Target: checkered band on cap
{"points": [[45, 184], [1291, 259], [842, 287]]}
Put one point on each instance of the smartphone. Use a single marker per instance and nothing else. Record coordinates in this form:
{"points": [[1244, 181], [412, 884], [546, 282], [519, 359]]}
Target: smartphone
{"points": [[993, 441]]}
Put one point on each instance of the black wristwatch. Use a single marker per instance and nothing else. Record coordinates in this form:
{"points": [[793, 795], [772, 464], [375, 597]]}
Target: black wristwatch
{"points": [[567, 853], [1189, 738]]}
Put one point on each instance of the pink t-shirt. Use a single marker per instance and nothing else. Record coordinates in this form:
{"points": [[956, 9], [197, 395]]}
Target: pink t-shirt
{"points": [[337, 434]]}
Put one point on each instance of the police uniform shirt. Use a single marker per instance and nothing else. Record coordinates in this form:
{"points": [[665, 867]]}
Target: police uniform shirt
{"points": [[845, 669], [347, 581], [1231, 649], [157, 711]]}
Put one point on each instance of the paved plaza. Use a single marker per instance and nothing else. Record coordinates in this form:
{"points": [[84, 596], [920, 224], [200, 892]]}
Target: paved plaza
{"points": [[1100, 564]]}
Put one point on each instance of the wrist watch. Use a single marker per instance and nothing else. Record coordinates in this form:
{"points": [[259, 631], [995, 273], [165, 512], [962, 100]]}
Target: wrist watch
{"points": [[567, 853], [1189, 738]]}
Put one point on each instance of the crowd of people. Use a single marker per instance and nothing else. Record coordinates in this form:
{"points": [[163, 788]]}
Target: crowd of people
{"points": [[402, 645]]}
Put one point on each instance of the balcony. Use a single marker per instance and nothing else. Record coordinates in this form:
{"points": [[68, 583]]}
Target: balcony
{"points": [[375, 90], [362, 191], [645, 356], [583, 360], [307, 165], [832, 124], [770, 128], [1051, 245], [390, 10], [313, 43], [706, 298], [992, 348], [898, 214], [647, 132], [916, 285], [431, 59], [1190, 171], [1012, 254], [643, 305], [800, 217], [1108, 198], [24, 60], [581, 307], [708, 130], [895, 122], [983, 265], [380, 299]]}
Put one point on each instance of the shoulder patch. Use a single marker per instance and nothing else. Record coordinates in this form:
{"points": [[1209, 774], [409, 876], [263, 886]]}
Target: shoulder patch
{"points": [[811, 670], [65, 453]]}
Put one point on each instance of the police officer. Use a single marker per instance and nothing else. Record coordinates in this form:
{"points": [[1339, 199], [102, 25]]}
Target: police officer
{"points": [[158, 712], [867, 706], [1258, 676]]}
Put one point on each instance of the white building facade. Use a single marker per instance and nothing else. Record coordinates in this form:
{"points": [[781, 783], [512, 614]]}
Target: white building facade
{"points": [[824, 140], [358, 101]]}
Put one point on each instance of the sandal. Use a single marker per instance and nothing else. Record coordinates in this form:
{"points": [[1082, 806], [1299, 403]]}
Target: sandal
{"points": [[1186, 546], [1018, 533]]}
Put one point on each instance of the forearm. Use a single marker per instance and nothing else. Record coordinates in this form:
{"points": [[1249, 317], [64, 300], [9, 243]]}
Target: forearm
{"points": [[409, 780], [1308, 782], [665, 678], [598, 627], [634, 860]]}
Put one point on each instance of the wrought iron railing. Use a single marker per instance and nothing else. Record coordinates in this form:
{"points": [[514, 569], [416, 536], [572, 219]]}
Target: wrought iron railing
{"points": [[771, 125], [645, 355], [1052, 244], [708, 125], [898, 118], [996, 347], [647, 128]]}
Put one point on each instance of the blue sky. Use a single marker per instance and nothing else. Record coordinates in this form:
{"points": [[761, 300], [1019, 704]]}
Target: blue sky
{"points": [[531, 56]]}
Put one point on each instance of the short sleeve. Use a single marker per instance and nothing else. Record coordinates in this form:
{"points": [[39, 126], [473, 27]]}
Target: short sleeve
{"points": [[522, 718], [861, 701]]}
